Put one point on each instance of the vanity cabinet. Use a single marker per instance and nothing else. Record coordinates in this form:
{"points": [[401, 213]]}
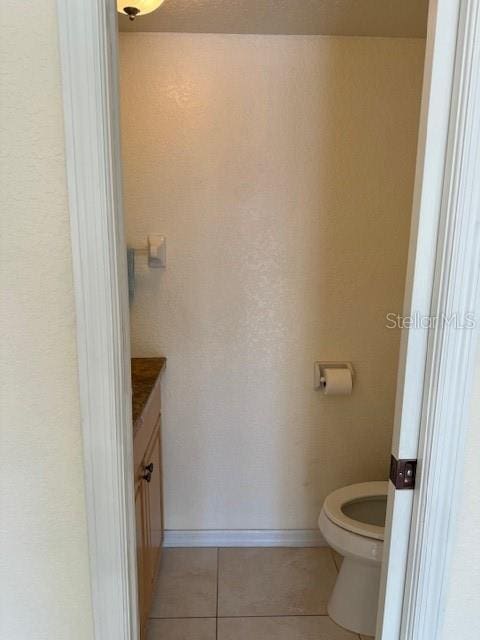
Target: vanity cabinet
{"points": [[147, 454]]}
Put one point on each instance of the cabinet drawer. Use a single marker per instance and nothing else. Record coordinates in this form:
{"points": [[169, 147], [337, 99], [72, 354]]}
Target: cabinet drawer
{"points": [[145, 425]]}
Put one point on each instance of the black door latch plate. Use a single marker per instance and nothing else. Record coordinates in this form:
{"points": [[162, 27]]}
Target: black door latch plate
{"points": [[402, 473]]}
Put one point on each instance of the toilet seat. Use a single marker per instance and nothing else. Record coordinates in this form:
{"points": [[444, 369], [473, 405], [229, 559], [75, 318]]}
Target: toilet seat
{"points": [[356, 492]]}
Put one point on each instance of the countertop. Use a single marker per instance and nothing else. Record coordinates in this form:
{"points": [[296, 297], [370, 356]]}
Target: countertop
{"points": [[145, 372]]}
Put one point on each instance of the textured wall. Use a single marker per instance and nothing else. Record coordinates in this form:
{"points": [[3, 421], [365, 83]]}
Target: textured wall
{"points": [[280, 169], [45, 592], [462, 611]]}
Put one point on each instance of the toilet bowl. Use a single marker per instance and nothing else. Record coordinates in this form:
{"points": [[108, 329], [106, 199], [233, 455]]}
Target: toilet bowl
{"points": [[352, 521]]}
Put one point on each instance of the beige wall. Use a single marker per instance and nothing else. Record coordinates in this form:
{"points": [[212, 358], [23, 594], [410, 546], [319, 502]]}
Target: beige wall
{"points": [[44, 553], [462, 615], [45, 580], [280, 170]]}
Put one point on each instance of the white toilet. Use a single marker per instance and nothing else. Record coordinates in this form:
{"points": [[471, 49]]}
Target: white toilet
{"points": [[352, 521]]}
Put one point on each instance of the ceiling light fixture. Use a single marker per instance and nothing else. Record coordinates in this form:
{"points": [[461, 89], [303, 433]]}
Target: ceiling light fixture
{"points": [[136, 8]]}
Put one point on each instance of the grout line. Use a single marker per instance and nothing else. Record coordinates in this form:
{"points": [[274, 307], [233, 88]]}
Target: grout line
{"points": [[184, 618], [281, 615]]}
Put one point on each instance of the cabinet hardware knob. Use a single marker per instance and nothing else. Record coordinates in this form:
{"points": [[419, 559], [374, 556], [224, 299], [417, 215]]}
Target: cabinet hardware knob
{"points": [[147, 476], [149, 467]]}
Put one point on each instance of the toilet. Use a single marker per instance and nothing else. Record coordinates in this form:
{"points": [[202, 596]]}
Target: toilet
{"points": [[352, 521]]}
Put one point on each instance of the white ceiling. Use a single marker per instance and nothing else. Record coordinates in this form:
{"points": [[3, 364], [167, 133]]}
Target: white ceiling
{"points": [[397, 18]]}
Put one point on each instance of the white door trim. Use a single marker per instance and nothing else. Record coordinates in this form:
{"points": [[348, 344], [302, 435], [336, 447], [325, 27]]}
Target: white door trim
{"points": [[88, 48], [449, 370], [436, 365], [427, 198]]}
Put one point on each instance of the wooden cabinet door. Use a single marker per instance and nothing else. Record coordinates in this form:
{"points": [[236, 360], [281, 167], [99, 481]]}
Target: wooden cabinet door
{"points": [[141, 546], [154, 508], [149, 516]]}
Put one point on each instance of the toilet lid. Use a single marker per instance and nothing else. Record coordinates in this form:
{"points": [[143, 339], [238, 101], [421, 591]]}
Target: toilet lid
{"points": [[340, 505]]}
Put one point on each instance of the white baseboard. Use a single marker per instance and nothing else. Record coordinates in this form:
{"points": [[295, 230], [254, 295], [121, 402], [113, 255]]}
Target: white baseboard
{"points": [[244, 538]]}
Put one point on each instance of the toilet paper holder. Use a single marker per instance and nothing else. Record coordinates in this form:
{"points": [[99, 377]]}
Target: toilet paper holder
{"points": [[319, 375]]}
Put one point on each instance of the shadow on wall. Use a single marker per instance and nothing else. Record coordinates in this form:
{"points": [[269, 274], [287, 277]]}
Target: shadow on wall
{"points": [[281, 171]]}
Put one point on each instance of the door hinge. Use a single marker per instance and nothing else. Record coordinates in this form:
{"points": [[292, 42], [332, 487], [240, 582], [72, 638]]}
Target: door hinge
{"points": [[402, 473]]}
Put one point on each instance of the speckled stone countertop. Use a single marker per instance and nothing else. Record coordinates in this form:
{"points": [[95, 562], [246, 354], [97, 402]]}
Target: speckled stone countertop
{"points": [[145, 372]]}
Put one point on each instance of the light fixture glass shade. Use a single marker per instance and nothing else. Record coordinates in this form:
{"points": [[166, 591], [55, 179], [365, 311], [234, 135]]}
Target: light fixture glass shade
{"points": [[142, 6]]}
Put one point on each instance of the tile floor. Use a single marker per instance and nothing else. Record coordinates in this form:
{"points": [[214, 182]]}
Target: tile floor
{"points": [[245, 594]]}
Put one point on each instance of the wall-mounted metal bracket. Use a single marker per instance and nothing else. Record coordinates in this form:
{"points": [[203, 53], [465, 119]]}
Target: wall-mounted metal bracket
{"points": [[156, 250], [402, 473]]}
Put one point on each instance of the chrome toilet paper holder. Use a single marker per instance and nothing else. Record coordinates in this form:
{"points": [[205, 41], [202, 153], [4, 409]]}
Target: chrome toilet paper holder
{"points": [[320, 366]]}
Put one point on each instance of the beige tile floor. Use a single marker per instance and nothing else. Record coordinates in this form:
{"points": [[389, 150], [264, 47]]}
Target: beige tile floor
{"points": [[245, 594]]}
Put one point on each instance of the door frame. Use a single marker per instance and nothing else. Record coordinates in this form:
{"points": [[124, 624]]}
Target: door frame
{"points": [[444, 279], [435, 367], [451, 353], [89, 61]]}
